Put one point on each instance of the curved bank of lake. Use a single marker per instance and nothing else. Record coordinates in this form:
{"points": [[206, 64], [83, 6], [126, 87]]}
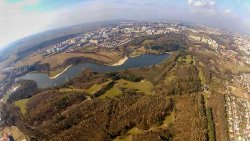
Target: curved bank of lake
{"points": [[43, 80]]}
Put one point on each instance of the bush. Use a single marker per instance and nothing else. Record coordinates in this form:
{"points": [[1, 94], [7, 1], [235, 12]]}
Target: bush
{"points": [[211, 126]]}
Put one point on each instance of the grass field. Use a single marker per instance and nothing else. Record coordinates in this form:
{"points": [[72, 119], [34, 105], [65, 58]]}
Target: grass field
{"points": [[22, 105], [169, 119], [143, 87], [233, 67], [115, 91], [129, 134], [58, 59], [239, 92], [138, 52], [147, 42], [201, 76], [33, 58], [96, 87], [211, 125], [170, 77], [89, 48], [188, 59], [65, 90]]}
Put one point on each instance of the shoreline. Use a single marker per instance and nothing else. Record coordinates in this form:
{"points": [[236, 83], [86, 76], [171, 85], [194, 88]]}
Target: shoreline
{"points": [[60, 73], [120, 62]]}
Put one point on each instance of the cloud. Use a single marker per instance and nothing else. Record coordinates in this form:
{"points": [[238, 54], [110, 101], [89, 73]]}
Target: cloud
{"points": [[228, 12], [202, 6], [30, 2], [202, 13], [248, 8], [98, 10], [190, 2], [16, 23], [199, 4], [202, 3], [18, 4]]}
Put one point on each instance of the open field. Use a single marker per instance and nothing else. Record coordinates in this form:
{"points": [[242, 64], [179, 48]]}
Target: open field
{"points": [[187, 59], [201, 76], [97, 87], [239, 92], [169, 119], [169, 78], [66, 90], [88, 48], [144, 87], [233, 67], [114, 91], [129, 135], [226, 66], [111, 56], [22, 105], [138, 52], [33, 58], [58, 59]]}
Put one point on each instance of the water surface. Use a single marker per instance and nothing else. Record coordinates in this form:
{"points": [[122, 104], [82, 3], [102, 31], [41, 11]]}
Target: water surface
{"points": [[43, 80]]}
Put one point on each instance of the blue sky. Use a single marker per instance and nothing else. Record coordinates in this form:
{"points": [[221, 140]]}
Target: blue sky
{"points": [[20, 18]]}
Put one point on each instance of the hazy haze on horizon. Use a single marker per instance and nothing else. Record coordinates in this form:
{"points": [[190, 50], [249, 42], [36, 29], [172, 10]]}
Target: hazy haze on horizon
{"points": [[20, 18]]}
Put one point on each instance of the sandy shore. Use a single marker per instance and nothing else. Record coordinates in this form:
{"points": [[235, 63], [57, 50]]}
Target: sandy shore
{"points": [[120, 62], [60, 72]]}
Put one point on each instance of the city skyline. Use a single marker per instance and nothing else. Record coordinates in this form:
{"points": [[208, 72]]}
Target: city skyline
{"points": [[20, 18]]}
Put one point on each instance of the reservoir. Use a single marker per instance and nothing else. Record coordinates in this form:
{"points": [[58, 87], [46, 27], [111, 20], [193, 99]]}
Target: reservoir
{"points": [[43, 80]]}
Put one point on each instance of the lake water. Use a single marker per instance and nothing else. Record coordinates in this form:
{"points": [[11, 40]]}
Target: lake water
{"points": [[43, 80]]}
